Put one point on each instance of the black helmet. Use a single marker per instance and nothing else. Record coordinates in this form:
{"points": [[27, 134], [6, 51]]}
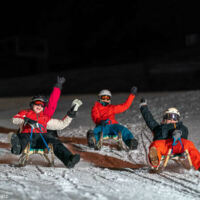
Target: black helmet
{"points": [[39, 98]]}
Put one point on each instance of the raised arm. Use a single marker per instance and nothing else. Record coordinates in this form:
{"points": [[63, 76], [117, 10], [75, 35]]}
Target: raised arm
{"points": [[124, 106], [56, 124], [148, 117], [54, 97]]}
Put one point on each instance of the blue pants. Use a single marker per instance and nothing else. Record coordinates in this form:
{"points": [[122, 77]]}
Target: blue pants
{"points": [[111, 130]]}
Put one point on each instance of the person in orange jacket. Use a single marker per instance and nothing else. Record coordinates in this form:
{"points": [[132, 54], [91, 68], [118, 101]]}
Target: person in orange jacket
{"points": [[103, 115], [170, 134]]}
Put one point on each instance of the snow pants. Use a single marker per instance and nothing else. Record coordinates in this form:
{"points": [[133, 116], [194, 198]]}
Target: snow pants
{"points": [[60, 151], [112, 130], [163, 146]]}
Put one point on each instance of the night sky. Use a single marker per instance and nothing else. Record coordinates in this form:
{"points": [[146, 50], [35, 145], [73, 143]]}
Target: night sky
{"points": [[65, 35]]}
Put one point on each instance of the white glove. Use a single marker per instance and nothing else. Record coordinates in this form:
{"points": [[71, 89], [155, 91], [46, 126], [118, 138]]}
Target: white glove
{"points": [[76, 103]]}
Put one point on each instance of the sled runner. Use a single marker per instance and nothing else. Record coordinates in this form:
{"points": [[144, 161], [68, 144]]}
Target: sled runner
{"points": [[117, 136], [43, 152], [28, 151], [118, 139], [178, 158], [97, 146], [182, 158]]}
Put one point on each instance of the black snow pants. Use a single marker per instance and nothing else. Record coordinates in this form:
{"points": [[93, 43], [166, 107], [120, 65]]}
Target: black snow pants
{"points": [[60, 151]]}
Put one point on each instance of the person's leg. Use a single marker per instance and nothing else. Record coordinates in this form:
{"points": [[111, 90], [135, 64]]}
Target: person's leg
{"points": [[90, 139], [54, 133], [19, 142], [156, 150], [127, 136], [97, 130], [61, 152], [194, 153]]}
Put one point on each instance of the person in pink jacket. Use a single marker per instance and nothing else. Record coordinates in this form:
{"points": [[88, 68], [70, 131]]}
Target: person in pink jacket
{"points": [[35, 121], [51, 104]]}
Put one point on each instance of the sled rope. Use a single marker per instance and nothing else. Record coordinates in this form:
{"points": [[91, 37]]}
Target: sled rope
{"points": [[174, 143], [31, 136], [107, 121]]}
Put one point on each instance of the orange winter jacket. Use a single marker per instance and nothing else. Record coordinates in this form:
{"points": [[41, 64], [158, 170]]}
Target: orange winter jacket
{"points": [[100, 112]]}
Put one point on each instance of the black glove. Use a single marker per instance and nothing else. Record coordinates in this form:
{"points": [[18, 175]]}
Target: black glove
{"points": [[103, 122], [76, 103], [32, 123], [143, 102], [60, 82], [134, 90], [176, 134], [72, 113]]}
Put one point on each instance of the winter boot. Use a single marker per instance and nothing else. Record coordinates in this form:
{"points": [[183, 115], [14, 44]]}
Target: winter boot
{"points": [[73, 160], [16, 146], [132, 144], [90, 139], [99, 144], [153, 157]]}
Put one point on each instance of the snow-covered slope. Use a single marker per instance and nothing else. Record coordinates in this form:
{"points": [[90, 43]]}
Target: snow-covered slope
{"points": [[87, 181]]}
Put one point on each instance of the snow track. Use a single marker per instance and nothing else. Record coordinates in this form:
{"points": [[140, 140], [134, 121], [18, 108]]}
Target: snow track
{"points": [[120, 178]]}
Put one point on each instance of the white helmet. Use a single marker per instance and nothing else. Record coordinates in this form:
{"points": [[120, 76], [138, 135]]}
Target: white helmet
{"points": [[172, 113], [105, 92]]}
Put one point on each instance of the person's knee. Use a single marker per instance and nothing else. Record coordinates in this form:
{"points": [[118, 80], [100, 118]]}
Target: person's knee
{"points": [[52, 133]]}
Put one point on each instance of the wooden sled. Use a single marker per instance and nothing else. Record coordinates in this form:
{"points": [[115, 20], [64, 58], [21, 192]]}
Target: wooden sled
{"points": [[117, 138], [23, 160], [178, 158]]}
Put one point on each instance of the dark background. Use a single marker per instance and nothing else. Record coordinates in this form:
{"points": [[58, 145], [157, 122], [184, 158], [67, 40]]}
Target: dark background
{"points": [[152, 44]]}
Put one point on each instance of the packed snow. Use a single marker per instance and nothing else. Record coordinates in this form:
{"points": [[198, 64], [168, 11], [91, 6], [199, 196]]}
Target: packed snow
{"points": [[87, 181]]}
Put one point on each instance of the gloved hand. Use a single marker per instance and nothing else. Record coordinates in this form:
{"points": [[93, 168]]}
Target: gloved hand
{"points": [[176, 134], [143, 102], [74, 108], [134, 90], [60, 82], [76, 103], [103, 122], [34, 124]]}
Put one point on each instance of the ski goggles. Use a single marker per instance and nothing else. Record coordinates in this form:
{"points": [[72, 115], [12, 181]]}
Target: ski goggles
{"points": [[171, 116], [39, 103], [105, 97]]}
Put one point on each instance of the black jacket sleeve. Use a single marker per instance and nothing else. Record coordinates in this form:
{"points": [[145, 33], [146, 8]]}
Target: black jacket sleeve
{"points": [[184, 130], [148, 118]]}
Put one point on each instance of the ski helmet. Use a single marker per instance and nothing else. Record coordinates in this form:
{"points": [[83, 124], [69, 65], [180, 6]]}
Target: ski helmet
{"points": [[39, 98], [172, 113], [105, 92]]}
